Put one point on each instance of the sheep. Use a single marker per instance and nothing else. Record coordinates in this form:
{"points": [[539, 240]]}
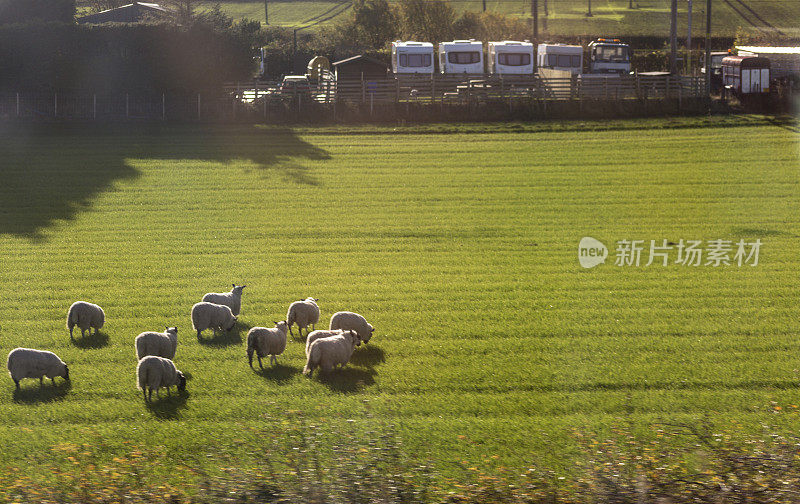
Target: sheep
{"points": [[155, 343], [232, 299], [349, 320], [154, 372], [323, 333], [85, 315], [264, 341], [304, 313], [205, 315], [30, 363], [327, 353]]}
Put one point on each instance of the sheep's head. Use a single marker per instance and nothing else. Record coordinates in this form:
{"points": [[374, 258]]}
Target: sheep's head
{"points": [[173, 330], [233, 324], [282, 325], [354, 337], [311, 299], [181, 381], [237, 289], [66, 372]]}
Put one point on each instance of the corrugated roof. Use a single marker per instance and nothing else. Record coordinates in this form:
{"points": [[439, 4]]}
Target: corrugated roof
{"points": [[769, 50]]}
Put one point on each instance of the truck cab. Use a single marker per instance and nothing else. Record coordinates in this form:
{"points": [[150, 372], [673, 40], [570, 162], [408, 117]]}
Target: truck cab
{"points": [[609, 56]]}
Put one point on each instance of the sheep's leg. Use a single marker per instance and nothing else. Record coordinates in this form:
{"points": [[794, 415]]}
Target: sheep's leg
{"points": [[259, 362], [17, 383], [83, 332], [150, 394], [95, 331], [198, 333], [290, 331], [54, 381], [41, 381], [70, 333], [144, 394], [273, 360], [168, 392]]}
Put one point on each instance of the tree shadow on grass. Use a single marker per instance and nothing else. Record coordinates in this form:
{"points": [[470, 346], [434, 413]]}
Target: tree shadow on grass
{"points": [[168, 407], [347, 380], [278, 373], [98, 340], [46, 393], [368, 355], [53, 173]]}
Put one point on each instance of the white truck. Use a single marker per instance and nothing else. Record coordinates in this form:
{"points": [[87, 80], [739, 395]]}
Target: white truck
{"points": [[609, 56], [461, 57], [412, 57], [510, 57], [567, 58]]}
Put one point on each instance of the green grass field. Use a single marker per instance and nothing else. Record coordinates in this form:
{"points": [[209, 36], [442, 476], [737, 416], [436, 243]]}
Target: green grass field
{"points": [[460, 248], [564, 17]]}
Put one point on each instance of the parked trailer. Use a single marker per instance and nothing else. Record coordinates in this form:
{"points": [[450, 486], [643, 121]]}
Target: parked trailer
{"points": [[510, 57], [568, 58], [412, 57], [461, 57], [745, 75], [609, 56], [784, 61]]}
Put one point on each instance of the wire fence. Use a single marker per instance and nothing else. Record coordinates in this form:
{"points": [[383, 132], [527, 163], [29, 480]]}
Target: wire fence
{"points": [[273, 102]]}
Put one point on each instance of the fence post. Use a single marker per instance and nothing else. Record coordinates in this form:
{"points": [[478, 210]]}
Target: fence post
{"points": [[433, 89], [94, 106], [55, 104], [666, 91], [371, 100], [17, 104], [163, 106], [198, 106], [396, 90], [363, 89], [127, 106]]}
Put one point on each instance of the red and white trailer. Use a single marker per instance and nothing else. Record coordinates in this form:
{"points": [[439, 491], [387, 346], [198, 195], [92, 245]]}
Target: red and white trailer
{"points": [[745, 75]]}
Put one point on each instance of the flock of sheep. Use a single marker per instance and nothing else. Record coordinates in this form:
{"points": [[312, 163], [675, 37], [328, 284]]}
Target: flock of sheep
{"points": [[325, 349]]}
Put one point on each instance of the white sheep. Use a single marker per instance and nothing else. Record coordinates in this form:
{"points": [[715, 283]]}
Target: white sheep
{"points": [[232, 299], [264, 341], [304, 313], [85, 315], [154, 372], [155, 343], [205, 315], [324, 333], [327, 353], [30, 363], [348, 320]]}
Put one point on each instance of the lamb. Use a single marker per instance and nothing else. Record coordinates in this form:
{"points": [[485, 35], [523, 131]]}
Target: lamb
{"points": [[30, 363], [85, 315], [349, 320], [154, 372], [327, 353], [232, 299], [155, 343], [205, 315], [322, 333], [304, 313], [264, 341]]}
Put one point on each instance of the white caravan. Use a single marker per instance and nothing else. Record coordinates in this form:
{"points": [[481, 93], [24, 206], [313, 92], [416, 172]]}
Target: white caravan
{"points": [[461, 57], [510, 57], [568, 58], [412, 57], [609, 56]]}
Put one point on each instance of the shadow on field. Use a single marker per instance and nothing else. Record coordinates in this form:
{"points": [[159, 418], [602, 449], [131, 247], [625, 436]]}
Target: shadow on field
{"points": [[92, 340], [347, 380], [167, 407], [368, 355], [226, 338], [53, 173], [278, 373], [745, 232], [46, 393]]}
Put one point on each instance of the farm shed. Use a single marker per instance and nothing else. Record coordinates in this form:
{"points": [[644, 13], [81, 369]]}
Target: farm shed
{"points": [[131, 13], [360, 68]]}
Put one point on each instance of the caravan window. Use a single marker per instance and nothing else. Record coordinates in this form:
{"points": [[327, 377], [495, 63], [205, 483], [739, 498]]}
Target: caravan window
{"points": [[415, 60], [464, 57], [514, 59], [565, 60]]}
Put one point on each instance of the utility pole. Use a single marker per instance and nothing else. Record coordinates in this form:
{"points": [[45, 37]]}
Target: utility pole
{"points": [[266, 11], [535, 12], [546, 12], [484, 5], [294, 52], [589, 14], [708, 48], [689, 40], [673, 38]]}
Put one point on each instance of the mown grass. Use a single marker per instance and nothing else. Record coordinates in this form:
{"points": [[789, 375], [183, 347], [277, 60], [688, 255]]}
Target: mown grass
{"points": [[492, 345], [567, 17]]}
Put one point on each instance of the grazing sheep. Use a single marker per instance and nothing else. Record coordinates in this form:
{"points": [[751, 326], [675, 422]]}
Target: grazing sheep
{"points": [[154, 372], [232, 299], [205, 315], [85, 315], [156, 343], [349, 320], [304, 313], [323, 333], [30, 363], [327, 353], [264, 341]]}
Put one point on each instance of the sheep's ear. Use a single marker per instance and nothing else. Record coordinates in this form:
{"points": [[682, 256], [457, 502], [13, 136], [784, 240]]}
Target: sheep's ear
{"points": [[234, 285], [274, 322]]}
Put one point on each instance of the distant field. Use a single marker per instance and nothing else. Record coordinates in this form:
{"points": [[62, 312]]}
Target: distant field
{"points": [[492, 345], [567, 17]]}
